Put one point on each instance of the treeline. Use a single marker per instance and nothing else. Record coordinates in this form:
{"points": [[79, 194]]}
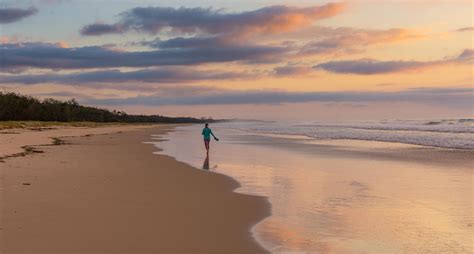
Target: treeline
{"points": [[16, 107]]}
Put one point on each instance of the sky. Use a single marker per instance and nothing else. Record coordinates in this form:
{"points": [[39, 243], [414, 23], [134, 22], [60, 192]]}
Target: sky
{"points": [[271, 60]]}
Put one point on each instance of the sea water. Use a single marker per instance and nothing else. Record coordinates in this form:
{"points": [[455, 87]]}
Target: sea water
{"points": [[445, 133], [346, 187]]}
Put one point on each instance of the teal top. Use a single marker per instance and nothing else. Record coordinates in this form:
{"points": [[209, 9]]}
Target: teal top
{"points": [[207, 132]]}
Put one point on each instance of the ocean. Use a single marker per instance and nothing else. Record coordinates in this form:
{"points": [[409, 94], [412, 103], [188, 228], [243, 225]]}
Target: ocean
{"points": [[444, 133], [398, 186]]}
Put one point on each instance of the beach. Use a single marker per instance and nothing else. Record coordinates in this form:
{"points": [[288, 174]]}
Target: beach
{"points": [[236, 127], [102, 190], [345, 195], [152, 189]]}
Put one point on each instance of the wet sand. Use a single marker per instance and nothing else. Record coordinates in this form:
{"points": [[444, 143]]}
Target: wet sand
{"points": [[344, 196], [110, 194]]}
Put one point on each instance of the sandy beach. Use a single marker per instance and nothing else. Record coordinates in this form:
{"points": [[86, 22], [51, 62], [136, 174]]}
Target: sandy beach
{"points": [[236, 127], [109, 193], [139, 189], [342, 196]]}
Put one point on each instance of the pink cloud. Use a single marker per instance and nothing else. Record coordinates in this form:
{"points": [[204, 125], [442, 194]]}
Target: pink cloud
{"points": [[346, 40], [267, 20]]}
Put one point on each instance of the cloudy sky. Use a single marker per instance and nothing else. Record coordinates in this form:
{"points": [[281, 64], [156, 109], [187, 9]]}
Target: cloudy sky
{"points": [[282, 60]]}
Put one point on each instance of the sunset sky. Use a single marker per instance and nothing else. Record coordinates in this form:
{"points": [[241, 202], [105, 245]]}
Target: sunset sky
{"points": [[281, 60]]}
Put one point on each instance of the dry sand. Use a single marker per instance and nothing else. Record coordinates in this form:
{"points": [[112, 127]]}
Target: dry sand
{"points": [[109, 194]]}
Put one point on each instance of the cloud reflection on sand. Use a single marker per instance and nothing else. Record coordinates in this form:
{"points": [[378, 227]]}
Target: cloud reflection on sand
{"points": [[343, 201]]}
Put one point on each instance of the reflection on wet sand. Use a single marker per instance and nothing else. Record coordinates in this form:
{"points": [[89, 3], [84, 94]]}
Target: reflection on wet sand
{"points": [[334, 199], [205, 165]]}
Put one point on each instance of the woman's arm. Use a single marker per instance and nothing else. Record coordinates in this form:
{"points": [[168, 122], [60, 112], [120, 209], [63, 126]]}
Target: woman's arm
{"points": [[214, 135]]}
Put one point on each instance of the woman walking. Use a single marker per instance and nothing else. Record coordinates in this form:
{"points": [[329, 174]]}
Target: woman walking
{"points": [[207, 132]]}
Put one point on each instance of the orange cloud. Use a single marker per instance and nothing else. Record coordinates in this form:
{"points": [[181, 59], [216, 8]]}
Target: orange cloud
{"points": [[385, 36], [62, 44], [346, 40], [290, 19], [8, 39]]}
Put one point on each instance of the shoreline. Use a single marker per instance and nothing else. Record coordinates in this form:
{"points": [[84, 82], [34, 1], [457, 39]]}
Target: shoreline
{"points": [[317, 189], [105, 193]]}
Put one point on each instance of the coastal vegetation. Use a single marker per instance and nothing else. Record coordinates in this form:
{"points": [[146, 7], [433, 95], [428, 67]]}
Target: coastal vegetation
{"points": [[16, 107]]}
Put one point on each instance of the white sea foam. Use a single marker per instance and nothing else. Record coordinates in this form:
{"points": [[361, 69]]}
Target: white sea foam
{"points": [[444, 133]]}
